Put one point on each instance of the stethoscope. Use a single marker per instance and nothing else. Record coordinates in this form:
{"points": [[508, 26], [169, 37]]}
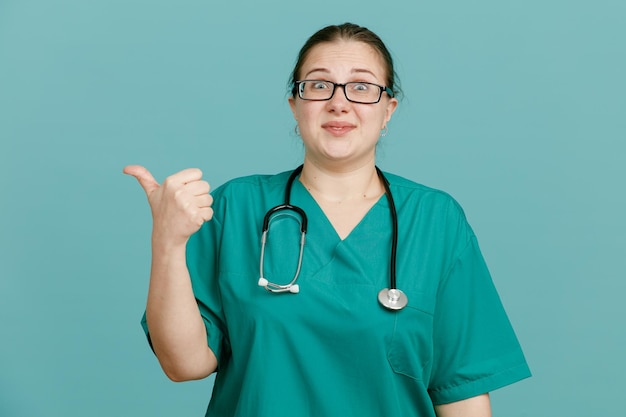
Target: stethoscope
{"points": [[390, 298]]}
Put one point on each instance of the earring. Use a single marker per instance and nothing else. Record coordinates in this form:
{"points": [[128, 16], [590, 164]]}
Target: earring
{"points": [[297, 130], [384, 131]]}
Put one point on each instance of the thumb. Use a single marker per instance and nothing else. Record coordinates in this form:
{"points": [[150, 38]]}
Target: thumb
{"points": [[145, 178]]}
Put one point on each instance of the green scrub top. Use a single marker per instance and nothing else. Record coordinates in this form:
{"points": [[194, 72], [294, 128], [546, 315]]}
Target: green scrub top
{"points": [[332, 349]]}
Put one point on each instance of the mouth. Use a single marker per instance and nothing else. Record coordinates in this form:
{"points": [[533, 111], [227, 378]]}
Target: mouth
{"points": [[338, 128]]}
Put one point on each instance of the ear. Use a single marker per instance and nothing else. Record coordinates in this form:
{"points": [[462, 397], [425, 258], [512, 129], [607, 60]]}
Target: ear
{"points": [[292, 105], [392, 104]]}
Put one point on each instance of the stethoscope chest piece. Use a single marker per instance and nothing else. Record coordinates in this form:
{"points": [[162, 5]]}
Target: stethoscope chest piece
{"points": [[392, 299]]}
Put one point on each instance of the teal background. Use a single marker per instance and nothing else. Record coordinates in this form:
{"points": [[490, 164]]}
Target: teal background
{"points": [[517, 108]]}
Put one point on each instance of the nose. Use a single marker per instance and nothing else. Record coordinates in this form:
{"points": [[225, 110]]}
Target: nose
{"points": [[338, 102]]}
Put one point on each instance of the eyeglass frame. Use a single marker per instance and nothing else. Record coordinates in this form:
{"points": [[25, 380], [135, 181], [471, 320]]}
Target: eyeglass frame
{"points": [[382, 89]]}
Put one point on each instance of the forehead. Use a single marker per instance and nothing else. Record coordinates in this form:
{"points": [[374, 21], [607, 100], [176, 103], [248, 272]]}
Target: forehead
{"points": [[342, 56]]}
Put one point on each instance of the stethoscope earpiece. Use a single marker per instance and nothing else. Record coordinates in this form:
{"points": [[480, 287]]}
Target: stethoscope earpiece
{"points": [[292, 288]]}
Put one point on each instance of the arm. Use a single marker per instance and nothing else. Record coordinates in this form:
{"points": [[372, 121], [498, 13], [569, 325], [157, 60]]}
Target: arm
{"points": [[479, 406], [179, 208], [176, 328]]}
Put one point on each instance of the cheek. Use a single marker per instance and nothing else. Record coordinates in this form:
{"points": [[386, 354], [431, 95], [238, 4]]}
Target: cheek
{"points": [[307, 114], [372, 117]]}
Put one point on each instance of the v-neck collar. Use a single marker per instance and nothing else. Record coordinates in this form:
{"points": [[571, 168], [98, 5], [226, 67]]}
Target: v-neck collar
{"points": [[318, 219]]}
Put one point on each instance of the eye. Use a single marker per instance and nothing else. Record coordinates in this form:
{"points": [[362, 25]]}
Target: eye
{"points": [[360, 87], [319, 85]]}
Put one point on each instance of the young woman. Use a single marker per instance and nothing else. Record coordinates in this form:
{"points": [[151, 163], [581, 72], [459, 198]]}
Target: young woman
{"points": [[385, 308]]}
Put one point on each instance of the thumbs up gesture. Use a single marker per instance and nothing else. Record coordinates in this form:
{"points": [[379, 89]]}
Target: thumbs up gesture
{"points": [[179, 206]]}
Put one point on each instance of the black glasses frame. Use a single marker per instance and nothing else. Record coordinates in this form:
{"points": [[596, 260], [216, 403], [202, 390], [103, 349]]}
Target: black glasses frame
{"points": [[381, 89]]}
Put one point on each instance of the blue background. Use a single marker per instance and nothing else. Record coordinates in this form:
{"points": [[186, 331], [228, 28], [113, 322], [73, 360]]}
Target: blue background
{"points": [[517, 108]]}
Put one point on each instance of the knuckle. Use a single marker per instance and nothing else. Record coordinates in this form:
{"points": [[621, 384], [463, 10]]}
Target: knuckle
{"points": [[179, 193], [168, 182], [186, 206], [197, 219], [196, 172]]}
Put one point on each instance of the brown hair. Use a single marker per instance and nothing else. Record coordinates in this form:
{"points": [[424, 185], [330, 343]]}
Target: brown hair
{"points": [[348, 32]]}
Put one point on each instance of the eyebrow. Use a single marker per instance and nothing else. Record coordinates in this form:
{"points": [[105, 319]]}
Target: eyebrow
{"points": [[354, 71]]}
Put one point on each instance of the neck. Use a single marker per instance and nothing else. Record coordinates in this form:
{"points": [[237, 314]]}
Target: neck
{"points": [[336, 186]]}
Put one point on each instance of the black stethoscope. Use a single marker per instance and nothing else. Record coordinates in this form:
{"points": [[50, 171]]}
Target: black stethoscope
{"points": [[390, 298]]}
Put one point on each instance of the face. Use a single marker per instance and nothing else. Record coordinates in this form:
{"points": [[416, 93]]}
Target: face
{"points": [[337, 131]]}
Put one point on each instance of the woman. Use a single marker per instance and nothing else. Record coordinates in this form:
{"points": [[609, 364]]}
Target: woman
{"points": [[322, 344]]}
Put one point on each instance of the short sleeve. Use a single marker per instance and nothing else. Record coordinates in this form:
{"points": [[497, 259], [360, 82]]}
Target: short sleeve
{"points": [[475, 348], [202, 263]]}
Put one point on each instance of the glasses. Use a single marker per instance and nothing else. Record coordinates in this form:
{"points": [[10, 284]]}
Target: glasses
{"points": [[356, 92]]}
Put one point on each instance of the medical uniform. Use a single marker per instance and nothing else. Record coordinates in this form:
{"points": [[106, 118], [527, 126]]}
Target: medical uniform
{"points": [[332, 349]]}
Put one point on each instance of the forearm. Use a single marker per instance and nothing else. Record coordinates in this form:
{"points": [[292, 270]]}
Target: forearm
{"points": [[478, 406], [176, 328]]}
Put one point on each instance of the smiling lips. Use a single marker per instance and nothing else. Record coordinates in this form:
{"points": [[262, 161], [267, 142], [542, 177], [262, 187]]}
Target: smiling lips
{"points": [[338, 128]]}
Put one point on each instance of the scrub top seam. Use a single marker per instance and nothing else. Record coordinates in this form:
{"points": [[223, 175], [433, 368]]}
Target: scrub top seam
{"points": [[472, 381], [456, 259], [400, 182]]}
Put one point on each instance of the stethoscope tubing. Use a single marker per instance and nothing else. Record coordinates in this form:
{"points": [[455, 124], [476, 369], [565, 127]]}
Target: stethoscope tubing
{"points": [[269, 216], [394, 230], [391, 298]]}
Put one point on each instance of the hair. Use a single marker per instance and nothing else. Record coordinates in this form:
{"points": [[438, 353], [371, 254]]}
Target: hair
{"points": [[347, 32]]}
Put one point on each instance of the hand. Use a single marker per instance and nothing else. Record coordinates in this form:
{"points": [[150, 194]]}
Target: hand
{"points": [[179, 206]]}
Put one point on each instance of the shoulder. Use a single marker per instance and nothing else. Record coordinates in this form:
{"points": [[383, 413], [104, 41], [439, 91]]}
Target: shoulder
{"points": [[249, 195], [427, 212], [428, 208], [254, 181], [408, 191], [241, 201], [251, 184]]}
